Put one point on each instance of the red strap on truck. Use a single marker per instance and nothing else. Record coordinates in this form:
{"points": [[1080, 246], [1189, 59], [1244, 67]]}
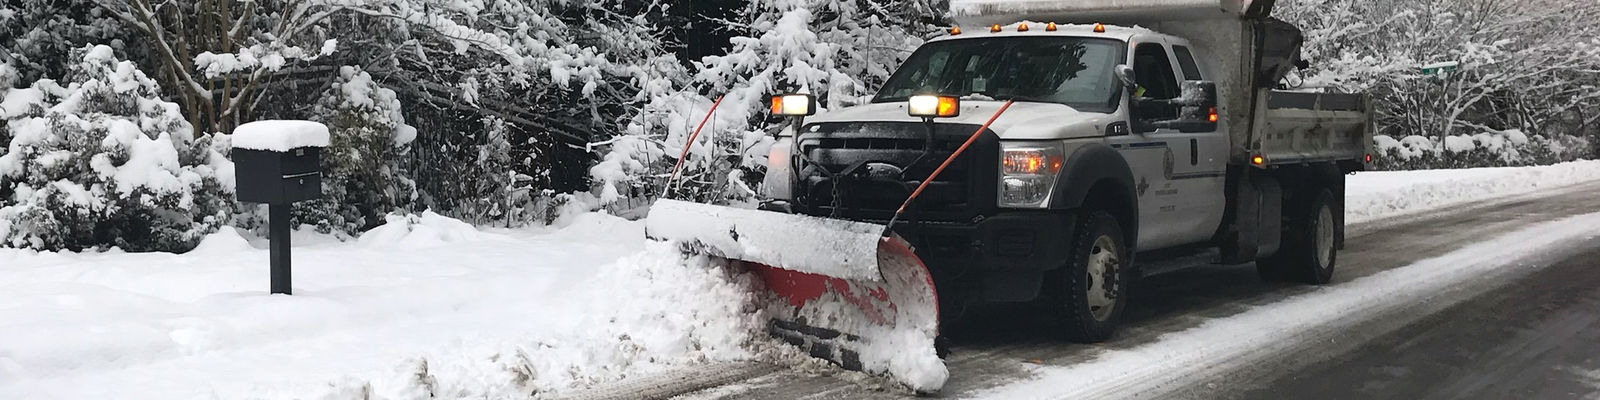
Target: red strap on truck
{"points": [[687, 145], [946, 164]]}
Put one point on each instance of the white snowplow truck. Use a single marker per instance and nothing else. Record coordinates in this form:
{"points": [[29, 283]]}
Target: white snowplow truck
{"points": [[1033, 154]]}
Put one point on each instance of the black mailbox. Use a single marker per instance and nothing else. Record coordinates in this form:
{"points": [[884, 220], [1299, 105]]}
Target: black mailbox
{"points": [[273, 177], [278, 163]]}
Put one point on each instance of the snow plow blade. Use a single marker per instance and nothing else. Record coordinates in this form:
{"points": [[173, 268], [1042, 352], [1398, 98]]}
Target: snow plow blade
{"points": [[838, 289]]}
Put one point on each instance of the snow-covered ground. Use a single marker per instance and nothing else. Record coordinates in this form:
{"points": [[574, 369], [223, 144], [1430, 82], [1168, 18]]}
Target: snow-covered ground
{"points": [[426, 304], [421, 305]]}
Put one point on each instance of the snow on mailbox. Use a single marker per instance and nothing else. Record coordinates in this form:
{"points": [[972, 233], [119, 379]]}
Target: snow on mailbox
{"points": [[278, 162]]}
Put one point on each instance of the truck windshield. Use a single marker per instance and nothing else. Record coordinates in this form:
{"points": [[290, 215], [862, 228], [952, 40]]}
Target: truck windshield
{"points": [[1066, 70]]}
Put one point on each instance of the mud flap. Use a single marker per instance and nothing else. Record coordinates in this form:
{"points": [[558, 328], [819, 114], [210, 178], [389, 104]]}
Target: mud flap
{"points": [[837, 289]]}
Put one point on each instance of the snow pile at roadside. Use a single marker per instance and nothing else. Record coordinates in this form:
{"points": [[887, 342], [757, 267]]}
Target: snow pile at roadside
{"points": [[1374, 195], [646, 313], [422, 307]]}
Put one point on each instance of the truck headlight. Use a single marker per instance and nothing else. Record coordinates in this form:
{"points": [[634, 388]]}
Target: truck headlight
{"points": [[794, 105], [1028, 173], [928, 106]]}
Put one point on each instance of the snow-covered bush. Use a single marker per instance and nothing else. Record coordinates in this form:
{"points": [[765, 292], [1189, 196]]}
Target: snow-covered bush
{"points": [[840, 51], [362, 180], [1523, 65], [104, 161], [37, 36], [1507, 148]]}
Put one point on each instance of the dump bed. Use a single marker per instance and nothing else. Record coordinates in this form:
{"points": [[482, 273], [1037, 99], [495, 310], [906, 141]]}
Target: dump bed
{"points": [[1307, 127]]}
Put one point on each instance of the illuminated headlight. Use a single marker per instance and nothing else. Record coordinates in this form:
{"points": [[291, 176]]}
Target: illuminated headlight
{"points": [[1028, 173], [794, 105], [928, 106]]}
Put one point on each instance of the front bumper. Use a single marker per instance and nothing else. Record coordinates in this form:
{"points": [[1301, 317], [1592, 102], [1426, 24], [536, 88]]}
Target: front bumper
{"points": [[1001, 258]]}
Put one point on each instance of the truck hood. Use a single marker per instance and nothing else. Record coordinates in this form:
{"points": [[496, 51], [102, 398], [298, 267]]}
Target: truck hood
{"points": [[1023, 121]]}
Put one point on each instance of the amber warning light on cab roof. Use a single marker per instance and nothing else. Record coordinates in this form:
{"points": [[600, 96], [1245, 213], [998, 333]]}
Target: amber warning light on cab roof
{"points": [[1023, 27]]}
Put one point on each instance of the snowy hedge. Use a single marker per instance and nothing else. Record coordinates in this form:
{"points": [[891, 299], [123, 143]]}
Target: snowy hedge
{"points": [[1524, 65], [1490, 149], [362, 177], [839, 51], [103, 161]]}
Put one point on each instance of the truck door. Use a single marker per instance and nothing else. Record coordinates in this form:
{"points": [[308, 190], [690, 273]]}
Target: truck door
{"points": [[1201, 171], [1174, 189]]}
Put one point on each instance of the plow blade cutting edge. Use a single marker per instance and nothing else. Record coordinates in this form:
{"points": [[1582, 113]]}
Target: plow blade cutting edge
{"points": [[838, 289]]}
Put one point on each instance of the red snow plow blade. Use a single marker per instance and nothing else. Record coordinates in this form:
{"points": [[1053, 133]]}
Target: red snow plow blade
{"points": [[839, 289]]}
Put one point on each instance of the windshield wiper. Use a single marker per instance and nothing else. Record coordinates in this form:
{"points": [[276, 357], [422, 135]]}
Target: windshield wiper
{"points": [[1023, 98]]}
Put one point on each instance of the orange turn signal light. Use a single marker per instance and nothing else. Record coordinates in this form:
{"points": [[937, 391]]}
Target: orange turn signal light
{"points": [[1258, 160], [1213, 116], [1030, 162]]}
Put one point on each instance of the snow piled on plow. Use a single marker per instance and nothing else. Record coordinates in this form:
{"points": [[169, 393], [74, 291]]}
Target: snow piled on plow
{"points": [[822, 246], [423, 307], [855, 292]]}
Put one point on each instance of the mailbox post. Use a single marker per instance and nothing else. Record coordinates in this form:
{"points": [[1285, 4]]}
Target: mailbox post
{"points": [[278, 163]]}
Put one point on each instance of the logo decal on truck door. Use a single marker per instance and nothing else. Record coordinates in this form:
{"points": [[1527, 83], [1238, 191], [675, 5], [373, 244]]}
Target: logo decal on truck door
{"points": [[1166, 164]]}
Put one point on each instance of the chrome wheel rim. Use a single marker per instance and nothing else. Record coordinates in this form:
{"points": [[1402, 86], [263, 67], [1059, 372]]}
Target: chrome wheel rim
{"points": [[1325, 238], [1102, 278]]}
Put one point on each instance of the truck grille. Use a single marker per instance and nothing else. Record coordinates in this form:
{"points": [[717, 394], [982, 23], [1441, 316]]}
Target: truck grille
{"points": [[847, 175]]}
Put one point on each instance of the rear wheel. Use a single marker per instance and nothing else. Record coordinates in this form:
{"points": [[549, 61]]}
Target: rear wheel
{"points": [[1096, 279], [1310, 244]]}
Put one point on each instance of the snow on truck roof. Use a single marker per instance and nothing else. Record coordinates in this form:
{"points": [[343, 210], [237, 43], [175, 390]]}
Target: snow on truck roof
{"points": [[1035, 28], [1128, 12]]}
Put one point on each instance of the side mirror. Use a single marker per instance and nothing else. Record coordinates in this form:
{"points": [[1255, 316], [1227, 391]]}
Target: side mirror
{"points": [[1126, 75], [1200, 94], [1197, 108]]}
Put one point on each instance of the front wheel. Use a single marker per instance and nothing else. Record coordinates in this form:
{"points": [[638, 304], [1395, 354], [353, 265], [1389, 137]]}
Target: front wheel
{"points": [[1310, 244], [1096, 279]]}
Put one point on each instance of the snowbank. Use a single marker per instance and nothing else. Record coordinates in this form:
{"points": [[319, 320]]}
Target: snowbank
{"points": [[1374, 195], [280, 135], [424, 306], [414, 231]]}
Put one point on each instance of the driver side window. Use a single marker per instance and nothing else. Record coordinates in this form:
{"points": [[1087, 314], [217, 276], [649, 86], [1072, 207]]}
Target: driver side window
{"points": [[1153, 71]]}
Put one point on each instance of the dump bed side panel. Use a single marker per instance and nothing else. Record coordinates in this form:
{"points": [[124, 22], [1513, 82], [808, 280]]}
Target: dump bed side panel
{"points": [[1309, 127]]}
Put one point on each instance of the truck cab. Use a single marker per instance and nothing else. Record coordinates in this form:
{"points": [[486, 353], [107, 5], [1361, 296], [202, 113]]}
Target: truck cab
{"points": [[1114, 143]]}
